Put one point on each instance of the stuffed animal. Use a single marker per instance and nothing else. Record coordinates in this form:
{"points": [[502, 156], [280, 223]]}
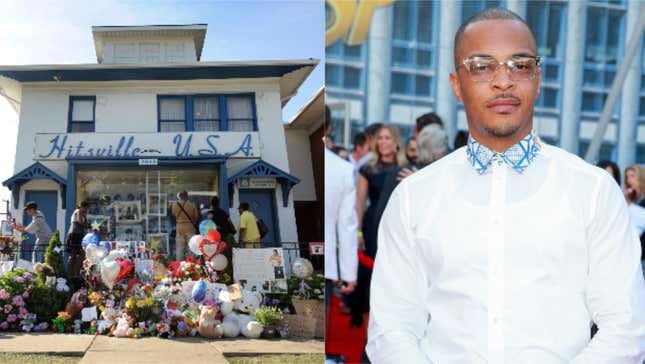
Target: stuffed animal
{"points": [[122, 327], [181, 324], [61, 285], [77, 326], [231, 325], [226, 305], [208, 325], [249, 327], [249, 302]]}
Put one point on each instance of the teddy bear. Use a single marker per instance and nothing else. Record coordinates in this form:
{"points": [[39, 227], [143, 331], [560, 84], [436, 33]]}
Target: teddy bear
{"points": [[122, 327], [231, 325], [249, 302], [181, 324], [208, 325], [249, 327], [61, 285], [235, 323], [226, 305]]}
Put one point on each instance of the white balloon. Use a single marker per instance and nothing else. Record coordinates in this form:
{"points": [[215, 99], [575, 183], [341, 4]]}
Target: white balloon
{"points": [[194, 246], [109, 271], [219, 262], [114, 254], [91, 253], [101, 251]]}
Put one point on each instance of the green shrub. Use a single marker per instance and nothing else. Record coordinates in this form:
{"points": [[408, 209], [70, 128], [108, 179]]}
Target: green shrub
{"points": [[268, 316]]}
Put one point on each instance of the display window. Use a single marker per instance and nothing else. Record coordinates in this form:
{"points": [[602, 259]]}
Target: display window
{"points": [[133, 204]]}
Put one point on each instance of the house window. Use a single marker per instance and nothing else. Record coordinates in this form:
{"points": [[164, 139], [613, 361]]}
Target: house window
{"points": [[172, 114], [81, 114], [206, 113]]}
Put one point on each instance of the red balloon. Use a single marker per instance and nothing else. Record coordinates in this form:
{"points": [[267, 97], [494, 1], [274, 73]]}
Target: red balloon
{"points": [[127, 269], [221, 247], [213, 235]]}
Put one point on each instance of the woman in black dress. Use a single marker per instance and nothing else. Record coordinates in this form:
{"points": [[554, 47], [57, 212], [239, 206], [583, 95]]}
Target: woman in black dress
{"points": [[388, 154], [78, 228]]}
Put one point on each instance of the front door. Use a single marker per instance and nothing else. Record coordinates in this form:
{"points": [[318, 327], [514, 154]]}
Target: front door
{"points": [[262, 205], [47, 202]]}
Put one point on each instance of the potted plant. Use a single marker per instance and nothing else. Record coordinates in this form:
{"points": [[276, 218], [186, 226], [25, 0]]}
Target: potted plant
{"points": [[269, 317], [308, 295]]}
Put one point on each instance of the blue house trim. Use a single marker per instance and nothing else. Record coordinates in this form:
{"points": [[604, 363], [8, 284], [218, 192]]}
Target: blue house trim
{"points": [[149, 73], [34, 171], [264, 169]]}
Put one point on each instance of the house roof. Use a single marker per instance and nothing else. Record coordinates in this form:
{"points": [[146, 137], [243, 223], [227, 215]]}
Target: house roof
{"points": [[195, 31]]}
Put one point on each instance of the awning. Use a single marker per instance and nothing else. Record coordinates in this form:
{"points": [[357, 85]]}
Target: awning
{"points": [[262, 169], [34, 171]]}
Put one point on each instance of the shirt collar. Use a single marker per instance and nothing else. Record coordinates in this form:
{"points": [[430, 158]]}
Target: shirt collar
{"points": [[519, 156]]}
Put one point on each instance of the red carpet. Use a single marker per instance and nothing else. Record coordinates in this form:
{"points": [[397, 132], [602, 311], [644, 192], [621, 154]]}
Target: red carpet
{"points": [[340, 338]]}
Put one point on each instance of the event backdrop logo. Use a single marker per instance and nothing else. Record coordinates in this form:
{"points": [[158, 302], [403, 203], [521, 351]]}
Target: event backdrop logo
{"points": [[351, 18]]}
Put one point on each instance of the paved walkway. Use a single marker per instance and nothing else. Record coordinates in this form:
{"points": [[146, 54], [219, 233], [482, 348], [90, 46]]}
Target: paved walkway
{"points": [[103, 349]]}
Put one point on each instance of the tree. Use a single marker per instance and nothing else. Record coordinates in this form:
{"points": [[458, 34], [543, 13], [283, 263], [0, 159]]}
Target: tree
{"points": [[54, 256]]}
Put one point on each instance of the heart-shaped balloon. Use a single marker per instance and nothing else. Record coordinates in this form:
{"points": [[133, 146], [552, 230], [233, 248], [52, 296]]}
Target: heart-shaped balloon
{"points": [[214, 235], [199, 291], [208, 248], [91, 253], [219, 262], [205, 226], [109, 271], [127, 269], [193, 244], [101, 251]]}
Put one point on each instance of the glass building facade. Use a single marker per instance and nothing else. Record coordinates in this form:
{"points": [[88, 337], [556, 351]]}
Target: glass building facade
{"points": [[410, 70]]}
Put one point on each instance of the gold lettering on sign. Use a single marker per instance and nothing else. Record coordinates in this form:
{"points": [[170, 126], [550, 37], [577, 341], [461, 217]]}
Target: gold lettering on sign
{"points": [[342, 13]]}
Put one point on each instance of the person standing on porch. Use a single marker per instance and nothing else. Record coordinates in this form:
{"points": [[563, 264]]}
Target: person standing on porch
{"points": [[248, 227], [186, 216], [39, 228]]}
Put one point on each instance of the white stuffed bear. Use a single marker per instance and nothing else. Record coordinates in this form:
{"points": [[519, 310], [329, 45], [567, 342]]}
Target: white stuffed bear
{"points": [[225, 302], [249, 327], [247, 305], [231, 325], [61, 285]]}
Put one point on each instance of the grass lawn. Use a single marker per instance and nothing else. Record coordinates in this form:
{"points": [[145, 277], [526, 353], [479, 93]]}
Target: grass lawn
{"points": [[277, 359], [18, 358]]}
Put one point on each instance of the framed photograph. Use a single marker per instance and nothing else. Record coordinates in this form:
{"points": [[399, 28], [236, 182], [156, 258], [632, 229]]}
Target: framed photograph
{"points": [[129, 232], [6, 228], [156, 204], [127, 211], [159, 242]]}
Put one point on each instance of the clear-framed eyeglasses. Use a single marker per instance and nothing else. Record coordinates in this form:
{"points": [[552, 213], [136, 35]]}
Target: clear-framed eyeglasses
{"points": [[483, 69]]}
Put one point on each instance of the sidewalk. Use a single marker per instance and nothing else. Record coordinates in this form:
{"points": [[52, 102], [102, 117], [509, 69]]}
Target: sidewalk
{"points": [[103, 349]]}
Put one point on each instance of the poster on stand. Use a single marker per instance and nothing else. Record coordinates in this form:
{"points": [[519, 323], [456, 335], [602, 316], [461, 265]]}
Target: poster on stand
{"points": [[260, 270]]}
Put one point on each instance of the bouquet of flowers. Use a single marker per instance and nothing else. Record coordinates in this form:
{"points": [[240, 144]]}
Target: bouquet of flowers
{"points": [[10, 244], [14, 289], [187, 270], [143, 308], [62, 321]]}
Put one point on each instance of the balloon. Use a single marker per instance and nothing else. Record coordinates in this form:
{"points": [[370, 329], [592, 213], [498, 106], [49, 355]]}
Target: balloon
{"points": [[193, 244], [219, 262], [109, 271], [199, 291], [101, 251], [106, 244], [114, 254], [302, 268], [92, 254], [208, 248], [205, 226], [90, 238], [221, 247], [214, 235], [126, 269]]}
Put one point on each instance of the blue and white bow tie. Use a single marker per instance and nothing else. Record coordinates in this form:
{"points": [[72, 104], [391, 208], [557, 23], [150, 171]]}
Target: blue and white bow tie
{"points": [[519, 156]]}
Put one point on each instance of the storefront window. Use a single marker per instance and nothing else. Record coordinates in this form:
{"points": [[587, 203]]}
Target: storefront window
{"points": [[136, 204]]}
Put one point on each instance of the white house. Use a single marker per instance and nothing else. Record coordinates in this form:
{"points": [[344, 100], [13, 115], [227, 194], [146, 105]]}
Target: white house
{"points": [[147, 121]]}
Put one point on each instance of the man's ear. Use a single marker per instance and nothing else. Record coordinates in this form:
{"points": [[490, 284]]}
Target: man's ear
{"points": [[456, 86]]}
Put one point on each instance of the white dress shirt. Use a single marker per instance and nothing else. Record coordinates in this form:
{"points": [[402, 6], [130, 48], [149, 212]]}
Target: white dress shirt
{"points": [[637, 218], [507, 267], [341, 223]]}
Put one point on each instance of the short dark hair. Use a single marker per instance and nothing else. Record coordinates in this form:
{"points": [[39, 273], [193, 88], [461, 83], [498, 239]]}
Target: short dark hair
{"points": [[615, 171], [372, 129], [359, 139], [84, 204], [244, 206], [215, 202], [337, 149], [487, 14], [427, 119]]}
